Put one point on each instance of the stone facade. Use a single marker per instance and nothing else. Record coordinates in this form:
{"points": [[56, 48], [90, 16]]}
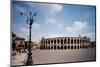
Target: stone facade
{"points": [[64, 42]]}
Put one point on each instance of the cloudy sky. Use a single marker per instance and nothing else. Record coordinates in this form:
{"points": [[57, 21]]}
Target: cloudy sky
{"points": [[54, 20]]}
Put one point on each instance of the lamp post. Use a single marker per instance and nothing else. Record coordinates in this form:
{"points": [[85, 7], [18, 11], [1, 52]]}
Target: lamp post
{"points": [[30, 20]]}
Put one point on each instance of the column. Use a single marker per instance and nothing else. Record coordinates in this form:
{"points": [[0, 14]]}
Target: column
{"points": [[76, 41], [73, 40], [70, 40]]}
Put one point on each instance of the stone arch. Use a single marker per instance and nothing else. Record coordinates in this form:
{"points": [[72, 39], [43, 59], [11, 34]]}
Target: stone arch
{"points": [[58, 41], [51, 41], [46, 47], [75, 41], [61, 47], [54, 41], [65, 47], [61, 41], [71, 41], [58, 47], [51, 47], [68, 47], [68, 41], [54, 47], [71, 46], [48, 41], [75, 47], [65, 41], [78, 47]]}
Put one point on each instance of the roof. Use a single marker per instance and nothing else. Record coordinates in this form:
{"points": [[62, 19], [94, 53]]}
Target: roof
{"points": [[19, 38], [61, 38]]}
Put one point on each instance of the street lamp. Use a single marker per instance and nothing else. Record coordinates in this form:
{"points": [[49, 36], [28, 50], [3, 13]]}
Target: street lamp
{"points": [[29, 21]]}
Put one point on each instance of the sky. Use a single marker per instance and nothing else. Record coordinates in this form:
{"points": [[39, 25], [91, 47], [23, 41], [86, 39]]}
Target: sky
{"points": [[53, 20]]}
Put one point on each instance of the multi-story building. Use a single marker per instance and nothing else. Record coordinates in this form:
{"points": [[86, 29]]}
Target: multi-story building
{"points": [[64, 42], [17, 42], [20, 42]]}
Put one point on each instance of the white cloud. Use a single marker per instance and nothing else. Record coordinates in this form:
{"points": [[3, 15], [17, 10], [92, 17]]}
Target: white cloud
{"points": [[55, 7], [24, 29], [50, 20], [54, 22], [90, 35], [77, 26], [60, 25], [48, 8], [36, 25]]}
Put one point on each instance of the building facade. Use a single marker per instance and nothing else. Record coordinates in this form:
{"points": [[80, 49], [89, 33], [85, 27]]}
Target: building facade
{"points": [[64, 42], [27, 44], [20, 43], [17, 42]]}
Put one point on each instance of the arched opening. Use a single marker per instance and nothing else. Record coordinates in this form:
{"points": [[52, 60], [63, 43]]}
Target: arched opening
{"points": [[65, 47], [58, 41], [68, 41], [61, 41], [68, 47], [72, 47], [54, 47], [78, 41], [46, 47], [75, 47], [51, 47], [48, 41], [61, 47], [71, 41], [75, 41], [78, 47], [51, 41], [54, 41], [58, 47], [64, 41]]}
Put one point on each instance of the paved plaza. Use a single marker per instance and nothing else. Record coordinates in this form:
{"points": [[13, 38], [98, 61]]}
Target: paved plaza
{"points": [[56, 56], [19, 59]]}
